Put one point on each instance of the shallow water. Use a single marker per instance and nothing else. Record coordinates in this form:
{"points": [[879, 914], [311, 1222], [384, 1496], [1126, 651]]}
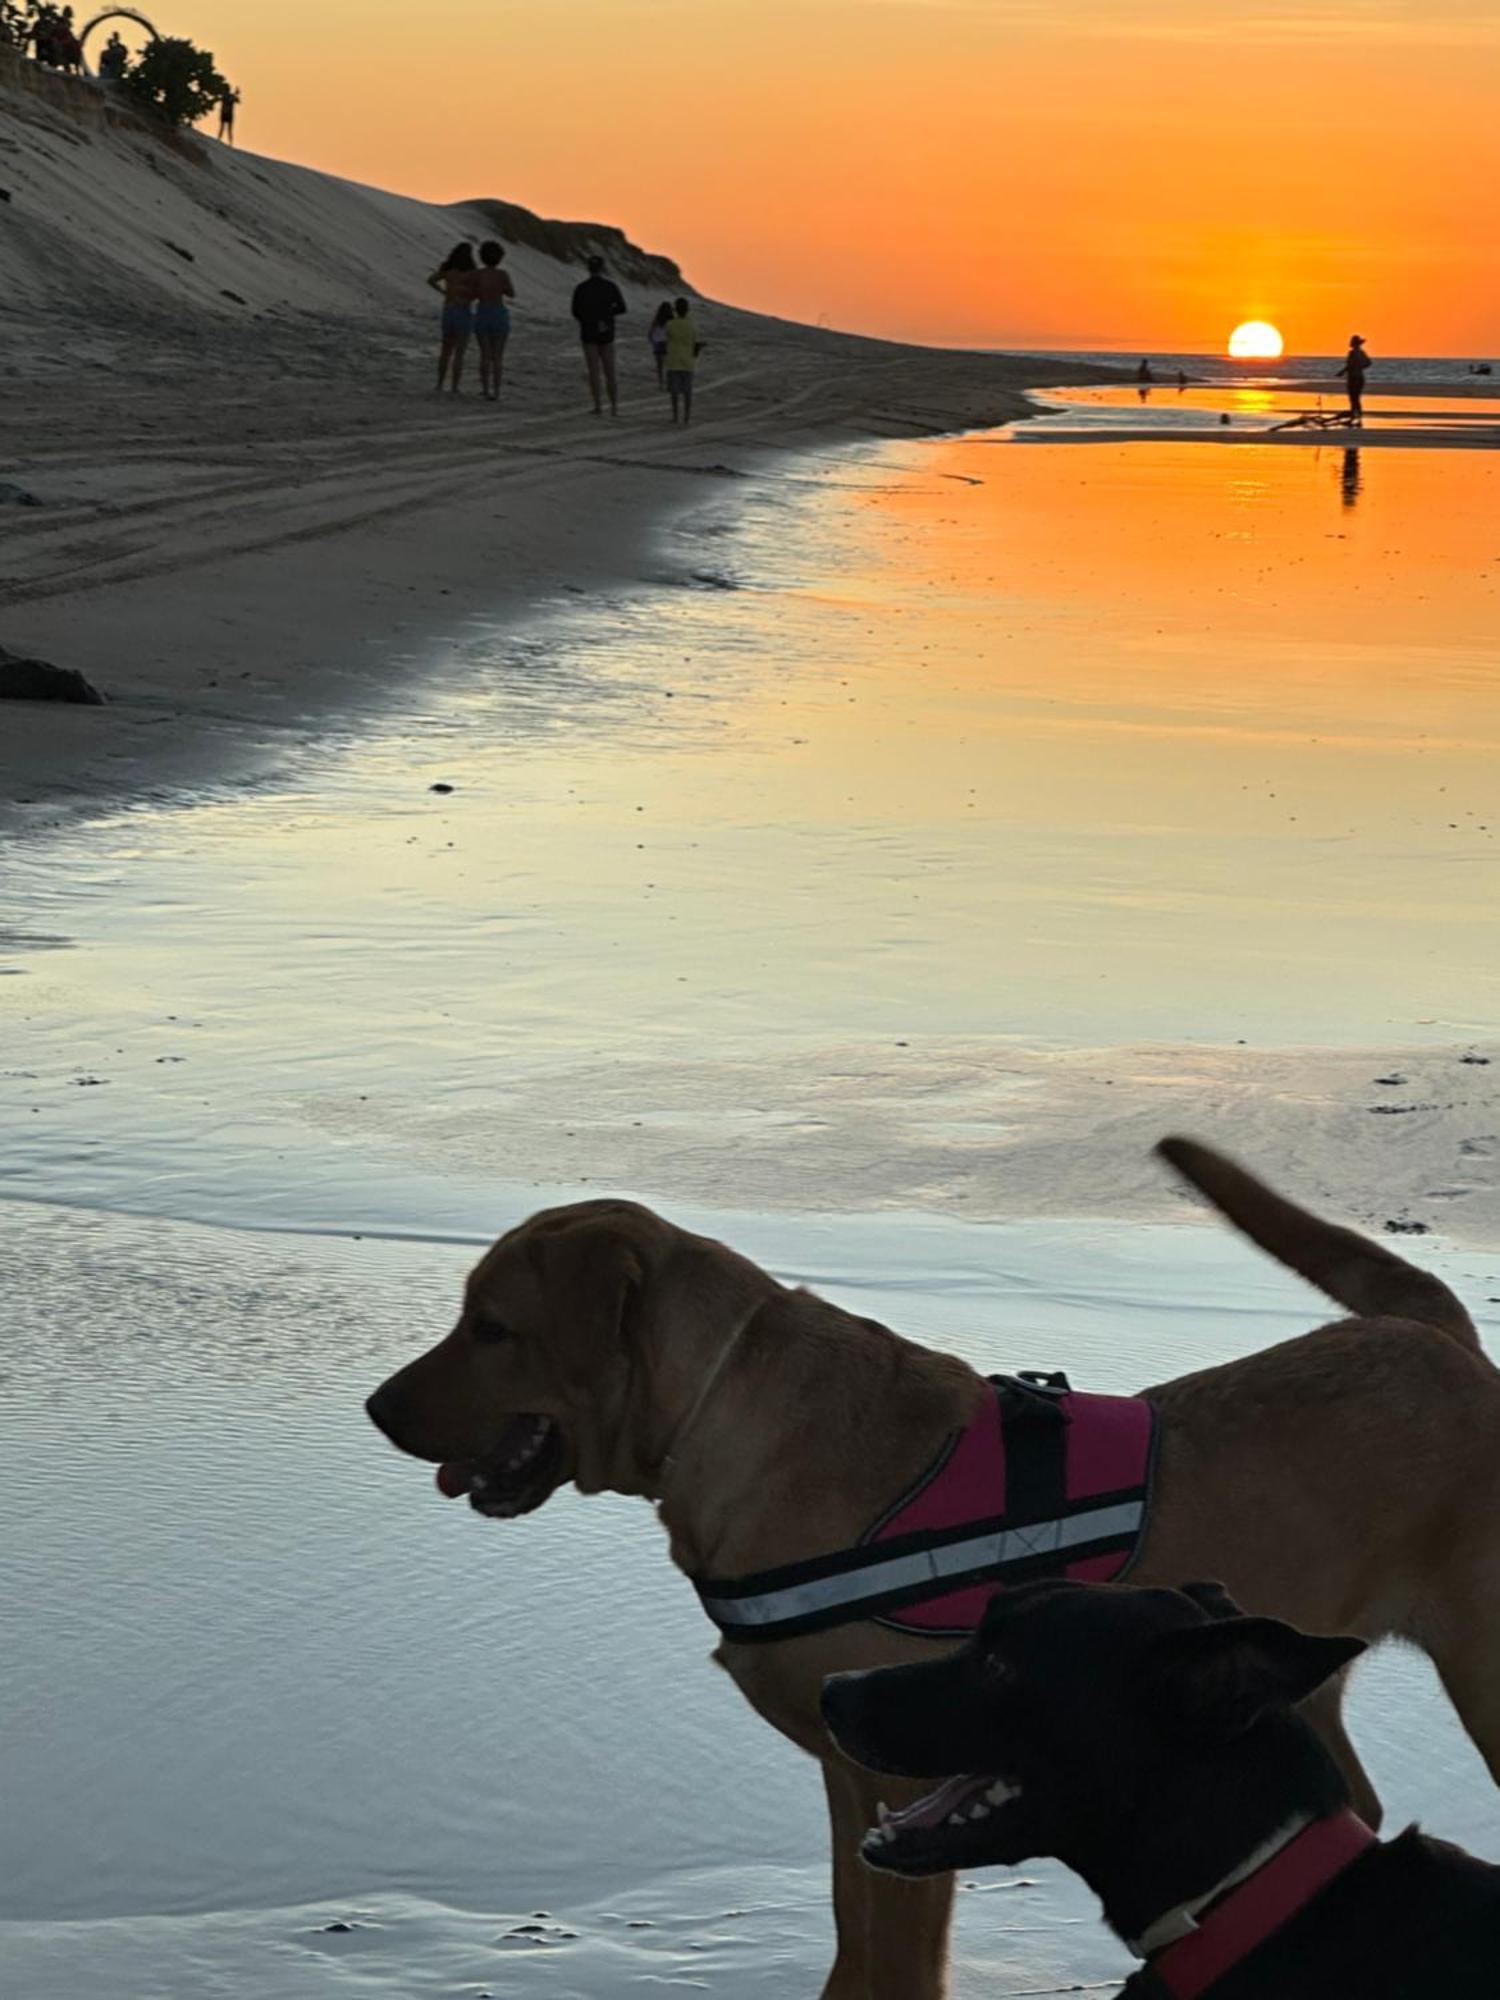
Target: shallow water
{"points": [[909, 763], [752, 883]]}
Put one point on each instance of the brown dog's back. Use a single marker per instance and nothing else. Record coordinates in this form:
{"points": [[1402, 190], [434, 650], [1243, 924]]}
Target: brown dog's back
{"points": [[1362, 1276]]}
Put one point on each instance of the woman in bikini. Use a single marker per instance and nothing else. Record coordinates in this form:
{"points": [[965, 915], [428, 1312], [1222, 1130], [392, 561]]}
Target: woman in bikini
{"points": [[656, 333], [492, 288], [455, 278]]}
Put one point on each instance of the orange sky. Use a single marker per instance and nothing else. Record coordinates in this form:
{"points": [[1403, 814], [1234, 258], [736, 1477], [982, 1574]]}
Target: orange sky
{"points": [[1134, 173]]}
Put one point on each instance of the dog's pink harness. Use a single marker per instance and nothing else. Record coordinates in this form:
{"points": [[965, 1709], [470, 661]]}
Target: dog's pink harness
{"points": [[1045, 1481]]}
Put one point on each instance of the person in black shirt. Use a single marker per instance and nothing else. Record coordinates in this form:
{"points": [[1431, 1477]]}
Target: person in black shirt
{"points": [[597, 304], [1356, 367]]}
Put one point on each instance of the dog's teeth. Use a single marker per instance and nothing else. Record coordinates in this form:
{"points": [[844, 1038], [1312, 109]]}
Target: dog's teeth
{"points": [[981, 1811], [999, 1792], [882, 1813], [955, 1819]]}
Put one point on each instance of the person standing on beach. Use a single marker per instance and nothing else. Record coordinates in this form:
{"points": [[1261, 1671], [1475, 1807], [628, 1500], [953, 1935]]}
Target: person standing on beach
{"points": [[597, 304], [657, 335], [1356, 367], [492, 290], [455, 279], [683, 349]]}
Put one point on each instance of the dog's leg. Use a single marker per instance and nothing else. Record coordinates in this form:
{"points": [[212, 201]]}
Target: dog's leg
{"points": [[893, 1935], [1466, 1662], [852, 1884], [1325, 1711]]}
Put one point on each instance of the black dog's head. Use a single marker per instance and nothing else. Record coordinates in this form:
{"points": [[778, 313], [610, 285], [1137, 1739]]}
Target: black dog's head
{"points": [[1076, 1711]]}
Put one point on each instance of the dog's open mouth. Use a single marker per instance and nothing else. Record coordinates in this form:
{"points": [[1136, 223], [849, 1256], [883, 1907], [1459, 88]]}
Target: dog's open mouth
{"points": [[952, 1827], [526, 1466]]}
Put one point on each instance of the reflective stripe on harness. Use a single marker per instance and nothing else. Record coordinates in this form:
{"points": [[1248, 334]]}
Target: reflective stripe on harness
{"points": [[1025, 1461]]}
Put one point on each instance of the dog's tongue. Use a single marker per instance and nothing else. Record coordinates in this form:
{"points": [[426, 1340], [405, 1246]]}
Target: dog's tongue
{"points": [[452, 1479]]}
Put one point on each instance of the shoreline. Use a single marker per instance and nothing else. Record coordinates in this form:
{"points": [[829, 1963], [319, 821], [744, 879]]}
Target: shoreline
{"points": [[233, 601]]}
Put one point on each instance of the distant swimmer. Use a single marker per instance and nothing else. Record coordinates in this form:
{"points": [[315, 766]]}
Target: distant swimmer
{"points": [[1356, 367], [656, 334], [455, 278], [492, 289], [597, 304], [683, 349]]}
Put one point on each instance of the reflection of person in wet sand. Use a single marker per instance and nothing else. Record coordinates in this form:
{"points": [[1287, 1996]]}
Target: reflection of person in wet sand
{"points": [[1356, 367], [597, 304], [492, 290], [454, 278], [1349, 482]]}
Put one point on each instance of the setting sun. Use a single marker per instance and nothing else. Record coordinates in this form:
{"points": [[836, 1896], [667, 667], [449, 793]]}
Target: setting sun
{"points": [[1256, 340]]}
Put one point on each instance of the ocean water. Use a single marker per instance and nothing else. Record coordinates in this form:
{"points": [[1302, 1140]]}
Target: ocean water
{"points": [[1219, 369], [761, 893]]}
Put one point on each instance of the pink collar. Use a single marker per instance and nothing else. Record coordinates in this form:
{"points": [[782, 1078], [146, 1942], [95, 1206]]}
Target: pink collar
{"points": [[1243, 1913]]}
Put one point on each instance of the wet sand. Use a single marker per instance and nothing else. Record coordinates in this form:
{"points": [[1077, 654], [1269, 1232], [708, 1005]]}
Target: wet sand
{"points": [[866, 880], [230, 595]]}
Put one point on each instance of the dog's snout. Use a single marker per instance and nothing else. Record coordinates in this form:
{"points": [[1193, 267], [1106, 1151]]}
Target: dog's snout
{"points": [[380, 1409], [840, 1699]]}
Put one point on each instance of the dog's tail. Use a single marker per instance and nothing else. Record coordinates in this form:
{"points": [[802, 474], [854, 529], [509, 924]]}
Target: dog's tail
{"points": [[1363, 1276]]}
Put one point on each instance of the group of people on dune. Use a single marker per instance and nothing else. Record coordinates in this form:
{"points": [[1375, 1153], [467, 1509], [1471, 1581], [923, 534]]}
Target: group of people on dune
{"points": [[476, 302]]}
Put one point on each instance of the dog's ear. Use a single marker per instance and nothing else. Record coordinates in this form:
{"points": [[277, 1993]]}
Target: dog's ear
{"points": [[1212, 1598], [592, 1272], [1213, 1682]]}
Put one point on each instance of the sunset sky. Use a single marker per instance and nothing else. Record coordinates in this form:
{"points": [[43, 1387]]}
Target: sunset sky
{"points": [[1091, 173]]}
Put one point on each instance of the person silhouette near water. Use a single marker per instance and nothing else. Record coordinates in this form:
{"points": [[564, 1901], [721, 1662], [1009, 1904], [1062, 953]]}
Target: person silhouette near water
{"points": [[597, 304], [683, 349], [227, 103], [455, 279], [493, 290], [656, 335], [1144, 373], [1356, 367]]}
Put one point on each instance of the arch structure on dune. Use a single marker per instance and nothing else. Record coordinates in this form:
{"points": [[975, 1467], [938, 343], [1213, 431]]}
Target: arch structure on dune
{"points": [[115, 14]]}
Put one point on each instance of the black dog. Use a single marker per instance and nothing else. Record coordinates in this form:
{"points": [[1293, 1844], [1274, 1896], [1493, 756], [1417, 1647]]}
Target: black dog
{"points": [[1148, 1739]]}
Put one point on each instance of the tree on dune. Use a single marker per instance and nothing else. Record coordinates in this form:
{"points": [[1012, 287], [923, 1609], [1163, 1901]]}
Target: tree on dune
{"points": [[176, 80]]}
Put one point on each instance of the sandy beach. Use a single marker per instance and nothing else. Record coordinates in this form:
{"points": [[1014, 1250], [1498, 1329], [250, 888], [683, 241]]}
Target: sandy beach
{"points": [[848, 825], [252, 510]]}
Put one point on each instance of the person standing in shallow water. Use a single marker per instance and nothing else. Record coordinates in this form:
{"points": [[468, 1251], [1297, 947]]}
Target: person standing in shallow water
{"points": [[683, 349], [492, 290], [455, 279], [597, 304], [1356, 367]]}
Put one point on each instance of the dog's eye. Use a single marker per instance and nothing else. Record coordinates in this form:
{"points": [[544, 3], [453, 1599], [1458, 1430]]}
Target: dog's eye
{"points": [[490, 1331]]}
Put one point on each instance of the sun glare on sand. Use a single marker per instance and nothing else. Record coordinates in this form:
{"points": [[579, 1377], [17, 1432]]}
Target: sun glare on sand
{"points": [[1256, 340]]}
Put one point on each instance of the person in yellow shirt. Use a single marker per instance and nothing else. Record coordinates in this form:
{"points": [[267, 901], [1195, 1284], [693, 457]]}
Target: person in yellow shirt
{"points": [[683, 349]]}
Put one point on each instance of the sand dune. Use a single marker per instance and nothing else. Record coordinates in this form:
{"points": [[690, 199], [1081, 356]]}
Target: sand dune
{"points": [[252, 506]]}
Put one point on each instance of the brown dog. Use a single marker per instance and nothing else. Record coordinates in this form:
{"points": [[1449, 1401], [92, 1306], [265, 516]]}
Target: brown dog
{"points": [[1346, 1481]]}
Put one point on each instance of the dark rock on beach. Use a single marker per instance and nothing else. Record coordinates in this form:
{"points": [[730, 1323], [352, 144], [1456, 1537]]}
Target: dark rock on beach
{"points": [[39, 680]]}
